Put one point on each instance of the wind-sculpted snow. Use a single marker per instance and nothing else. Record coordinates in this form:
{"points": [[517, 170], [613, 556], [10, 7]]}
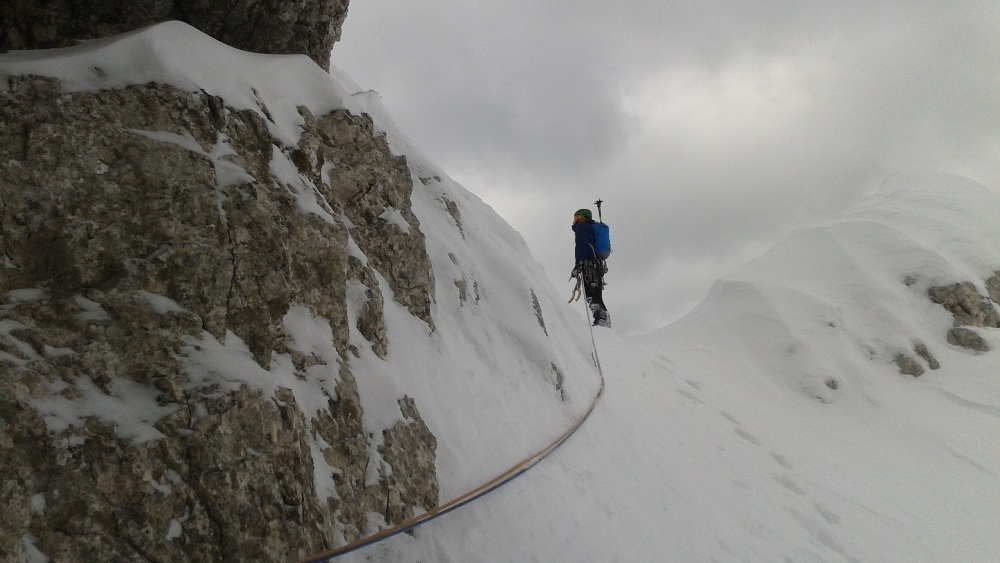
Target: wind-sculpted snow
{"points": [[377, 339], [773, 423], [828, 303], [178, 55]]}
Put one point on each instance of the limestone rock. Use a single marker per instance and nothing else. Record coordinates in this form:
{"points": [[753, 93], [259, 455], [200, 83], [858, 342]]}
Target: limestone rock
{"points": [[923, 352], [538, 312], [967, 338], [993, 287], [309, 27], [409, 449], [966, 304], [908, 365], [969, 309], [374, 190], [140, 227]]}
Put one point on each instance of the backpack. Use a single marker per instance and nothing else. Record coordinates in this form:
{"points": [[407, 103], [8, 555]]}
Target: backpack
{"points": [[602, 247]]}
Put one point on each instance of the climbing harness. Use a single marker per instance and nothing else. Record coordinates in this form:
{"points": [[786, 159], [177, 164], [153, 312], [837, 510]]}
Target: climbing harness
{"points": [[590, 272]]}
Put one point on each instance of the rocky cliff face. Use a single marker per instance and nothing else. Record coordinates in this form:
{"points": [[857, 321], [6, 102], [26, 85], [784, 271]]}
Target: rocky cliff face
{"points": [[308, 27], [159, 397]]}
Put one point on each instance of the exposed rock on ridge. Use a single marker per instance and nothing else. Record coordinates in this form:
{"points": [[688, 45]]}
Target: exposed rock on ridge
{"points": [[262, 26], [144, 230], [970, 309]]}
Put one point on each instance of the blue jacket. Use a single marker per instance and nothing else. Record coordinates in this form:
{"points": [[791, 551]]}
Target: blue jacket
{"points": [[585, 240]]}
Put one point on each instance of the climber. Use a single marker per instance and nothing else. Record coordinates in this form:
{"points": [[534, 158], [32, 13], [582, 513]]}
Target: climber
{"points": [[589, 268]]}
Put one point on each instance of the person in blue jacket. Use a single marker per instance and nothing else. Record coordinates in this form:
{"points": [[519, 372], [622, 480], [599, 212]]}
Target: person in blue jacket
{"points": [[589, 266]]}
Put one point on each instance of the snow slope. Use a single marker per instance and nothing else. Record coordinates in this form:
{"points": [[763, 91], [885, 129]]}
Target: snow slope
{"points": [[506, 368], [720, 437], [719, 440]]}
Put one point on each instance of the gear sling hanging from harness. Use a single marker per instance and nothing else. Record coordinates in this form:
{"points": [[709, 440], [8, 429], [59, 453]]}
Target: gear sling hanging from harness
{"points": [[590, 274]]}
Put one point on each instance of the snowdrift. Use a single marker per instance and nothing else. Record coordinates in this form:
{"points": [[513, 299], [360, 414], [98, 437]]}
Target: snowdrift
{"points": [[830, 306], [772, 423]]}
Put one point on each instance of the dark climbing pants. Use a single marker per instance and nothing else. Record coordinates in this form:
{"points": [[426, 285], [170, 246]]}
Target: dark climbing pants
{"points": [[593, 288]]}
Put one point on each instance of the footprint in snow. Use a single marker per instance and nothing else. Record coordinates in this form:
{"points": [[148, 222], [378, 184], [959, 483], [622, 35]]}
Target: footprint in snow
{"points": [[690, 395], [786, 481], [730, 418], [827, 515], [782, 460], [747, 436]]}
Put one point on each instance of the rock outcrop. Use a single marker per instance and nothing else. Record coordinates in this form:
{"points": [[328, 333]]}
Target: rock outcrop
{"points": [[965, 303], [308, 27], [969, 309], [158, 401]]}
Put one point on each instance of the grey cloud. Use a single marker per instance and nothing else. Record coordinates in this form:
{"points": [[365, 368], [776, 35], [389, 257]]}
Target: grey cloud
{"points": [[711, 128]]}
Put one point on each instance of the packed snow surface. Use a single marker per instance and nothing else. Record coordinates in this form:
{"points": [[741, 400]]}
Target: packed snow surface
{"points": [[770, 424], [722, 438]]}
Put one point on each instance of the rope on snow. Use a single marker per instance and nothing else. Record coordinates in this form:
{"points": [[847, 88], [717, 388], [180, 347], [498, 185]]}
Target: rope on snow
{"points": [[493, 484]]}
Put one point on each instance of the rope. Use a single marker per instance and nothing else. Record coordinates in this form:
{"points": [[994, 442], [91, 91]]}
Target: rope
{"points": [[493, 484], [597, 359]]}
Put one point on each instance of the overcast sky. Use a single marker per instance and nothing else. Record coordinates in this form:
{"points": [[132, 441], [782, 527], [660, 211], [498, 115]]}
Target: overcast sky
{"points": [[709, 128]]}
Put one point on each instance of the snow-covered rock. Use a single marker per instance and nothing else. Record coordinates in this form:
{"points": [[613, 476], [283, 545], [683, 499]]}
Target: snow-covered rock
{"points": [[231, 303], [308, 27]]}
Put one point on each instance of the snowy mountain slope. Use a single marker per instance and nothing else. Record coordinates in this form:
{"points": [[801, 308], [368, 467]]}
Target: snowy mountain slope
{"points": [[489, 344], [491, 356], [505, 367], [838, 298], [491, 359], [718, 438]]}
